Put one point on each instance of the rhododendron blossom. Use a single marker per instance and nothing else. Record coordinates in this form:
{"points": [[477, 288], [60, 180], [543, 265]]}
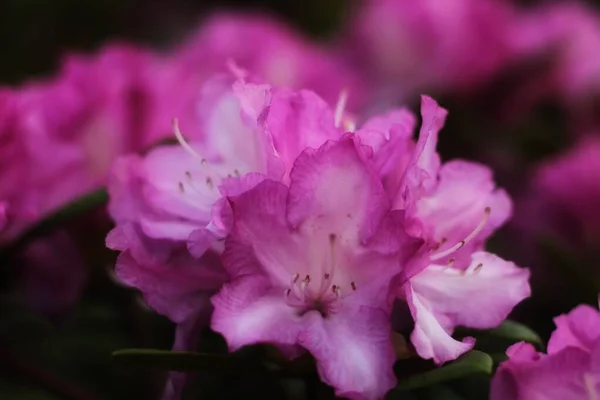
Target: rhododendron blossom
{"points": [[454, 207], [570, 369], [311, 264]]}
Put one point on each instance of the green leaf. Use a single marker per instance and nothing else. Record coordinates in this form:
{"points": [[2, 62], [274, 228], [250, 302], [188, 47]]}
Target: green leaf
{"points": [[516, 332], [474, 362], [186, 361]]}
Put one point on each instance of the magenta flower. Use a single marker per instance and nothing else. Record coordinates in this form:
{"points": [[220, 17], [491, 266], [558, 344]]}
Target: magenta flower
{"points": [[409, 46], [568, 31], [278, 55], [297, 258], [570, 370], [563, 197], [454, 207]]}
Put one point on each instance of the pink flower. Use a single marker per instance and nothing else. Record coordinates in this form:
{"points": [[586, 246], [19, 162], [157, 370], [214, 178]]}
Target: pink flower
{"points": [[60, 135], [569, 32], [278, 55], [570, 370], [408, 45], [563, 196], [454, 207], [297, 258]]}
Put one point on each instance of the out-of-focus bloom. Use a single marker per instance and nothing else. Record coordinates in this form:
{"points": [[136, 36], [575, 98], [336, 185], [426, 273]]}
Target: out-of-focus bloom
{"points": [[407, 46], [297, 258], [60, 135], [278, 55], [454, 208], [568, 33], [570, 370], [564, 195]]}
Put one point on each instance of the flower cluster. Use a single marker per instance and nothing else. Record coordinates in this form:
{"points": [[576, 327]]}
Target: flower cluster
{"points": [[304, 228]]}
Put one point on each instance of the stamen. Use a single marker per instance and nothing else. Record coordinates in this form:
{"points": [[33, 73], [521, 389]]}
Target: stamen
{"points": [[185, 144], [188, 175], [287, 292], [326, 276], [295, 278], [590, 387], [477, 268], [236, 172], [340, 107], [466, 240], [338, 292], [209, 182], [353, 285], [440, 244], [305, 282], [181, 188]]}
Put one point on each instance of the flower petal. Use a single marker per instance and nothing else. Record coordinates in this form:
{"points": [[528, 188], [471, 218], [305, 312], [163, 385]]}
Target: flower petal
{"points": [[178, 288], [480, 297], [421, 172], [431, 336], [297, 120], [390, 137], [247, 311], [333, 190], [458, 205], [261, 235], [580, 328], [354, 351]]}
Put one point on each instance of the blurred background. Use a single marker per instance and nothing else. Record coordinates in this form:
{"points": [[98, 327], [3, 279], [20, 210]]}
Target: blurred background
{"points": [[531, 115]]}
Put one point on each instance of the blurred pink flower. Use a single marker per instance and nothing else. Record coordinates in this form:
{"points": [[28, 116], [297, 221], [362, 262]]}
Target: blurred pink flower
{"points": [[569, 33], [269, 49], [60, 135], [570, 370], [563, 197], [296, 256], [406, 46]]}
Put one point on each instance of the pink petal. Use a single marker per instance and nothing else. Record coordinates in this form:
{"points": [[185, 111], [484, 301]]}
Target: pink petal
{"points": [[431, 336], [178, 288], [261, 239], [390, 137], [458, 205], [421, 172], [354, 352], [297, 120], [334, 190], [479, 297], [580, 328], [248, 311], [555, 377]]}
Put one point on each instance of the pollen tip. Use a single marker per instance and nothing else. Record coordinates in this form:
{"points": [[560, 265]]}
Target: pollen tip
{"points": [[353, 285], [488, 210], [332, 238], [181, 187]]}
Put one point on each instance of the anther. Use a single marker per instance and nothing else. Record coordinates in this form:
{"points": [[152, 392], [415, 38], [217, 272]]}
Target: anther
{"points": [[209, 182], [477, 268], [326, 276], [188, 175], [353, 285], [236, 172], [181, 188], [305, 282], [440, 244], [295, 278], [287, 292], [332, 238]]}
